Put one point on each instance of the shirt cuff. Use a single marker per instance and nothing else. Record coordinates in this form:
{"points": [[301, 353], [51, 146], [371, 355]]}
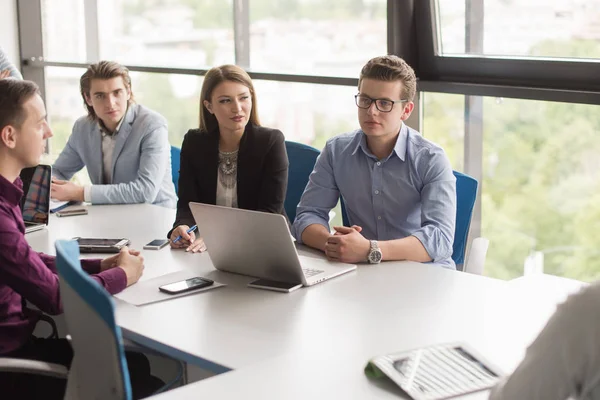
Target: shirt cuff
{"points": [[91, 266], [87, 193], [114, 280], [301, 224]]}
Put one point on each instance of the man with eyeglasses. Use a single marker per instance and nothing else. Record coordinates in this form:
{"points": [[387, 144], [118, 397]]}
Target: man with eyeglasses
{"points": [[398, 187]]}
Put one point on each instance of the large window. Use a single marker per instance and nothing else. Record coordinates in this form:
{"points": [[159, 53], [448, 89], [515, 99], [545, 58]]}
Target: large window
{"points": [[63, 30], [176, 97], [179, 33], [64, 104], [537, 28], [307, 113], [541, 182], [309, 37]]}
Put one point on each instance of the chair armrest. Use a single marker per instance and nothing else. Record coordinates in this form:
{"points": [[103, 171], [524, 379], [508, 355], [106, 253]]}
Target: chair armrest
{"points": [[33, 367], [476, 257]]}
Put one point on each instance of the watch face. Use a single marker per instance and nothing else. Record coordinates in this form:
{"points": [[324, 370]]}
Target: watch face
{"points": [[375, 257]]}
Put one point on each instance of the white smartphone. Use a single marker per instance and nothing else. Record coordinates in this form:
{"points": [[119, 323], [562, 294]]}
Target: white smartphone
{"points": [[274, 285], [156, 244], [71, 212]]}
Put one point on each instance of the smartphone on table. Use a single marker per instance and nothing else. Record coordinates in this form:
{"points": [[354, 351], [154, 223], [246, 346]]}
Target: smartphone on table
{"points": [[186, 285], [156, 244], [71, 212]]}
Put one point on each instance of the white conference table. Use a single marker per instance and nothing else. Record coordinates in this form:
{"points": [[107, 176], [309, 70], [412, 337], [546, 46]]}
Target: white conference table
{"points": [[314, 341]]}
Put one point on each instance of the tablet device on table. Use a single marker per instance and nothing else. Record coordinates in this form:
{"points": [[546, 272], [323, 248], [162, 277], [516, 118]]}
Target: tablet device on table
{"points": [[93, 245], [437, 372]]}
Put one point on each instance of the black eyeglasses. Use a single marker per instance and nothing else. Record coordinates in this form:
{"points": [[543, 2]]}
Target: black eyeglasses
{"points": [[383, 105]]}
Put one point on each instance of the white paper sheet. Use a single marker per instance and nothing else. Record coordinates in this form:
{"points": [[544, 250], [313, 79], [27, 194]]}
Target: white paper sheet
{"points": [[147, 292]]}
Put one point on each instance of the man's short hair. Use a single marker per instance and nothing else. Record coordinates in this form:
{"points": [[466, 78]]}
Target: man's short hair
{"points": [[103, 70], [13, 94], [391, 68]]}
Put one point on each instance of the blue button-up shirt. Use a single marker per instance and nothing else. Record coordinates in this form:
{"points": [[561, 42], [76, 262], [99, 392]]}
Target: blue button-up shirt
{"points": [[411, 192]]}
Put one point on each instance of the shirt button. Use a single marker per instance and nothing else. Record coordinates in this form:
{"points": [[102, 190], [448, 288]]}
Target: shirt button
{"points": [[377, 192], [379, 217], [378, 163]]}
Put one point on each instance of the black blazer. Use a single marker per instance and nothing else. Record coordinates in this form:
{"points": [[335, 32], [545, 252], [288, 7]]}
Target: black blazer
{"points": [[262, 172]]}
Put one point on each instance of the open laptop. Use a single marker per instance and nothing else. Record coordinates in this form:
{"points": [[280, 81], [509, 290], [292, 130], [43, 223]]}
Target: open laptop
{"points": [[258, 244], [35, 204]]}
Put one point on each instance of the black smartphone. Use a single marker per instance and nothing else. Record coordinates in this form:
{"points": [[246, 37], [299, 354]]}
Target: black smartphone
{"points": [[274, 285], [186, 285]]}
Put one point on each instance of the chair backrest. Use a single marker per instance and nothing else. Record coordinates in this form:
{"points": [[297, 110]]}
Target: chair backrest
{"points": [[466, 192], [302, 160], [175, 160], [99, 369]]}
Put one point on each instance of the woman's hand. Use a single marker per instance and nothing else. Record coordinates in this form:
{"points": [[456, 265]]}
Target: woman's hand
{"points": [[187, 240]]}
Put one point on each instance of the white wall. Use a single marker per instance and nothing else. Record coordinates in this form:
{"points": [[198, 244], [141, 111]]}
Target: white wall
{"points": [[9, 35]]}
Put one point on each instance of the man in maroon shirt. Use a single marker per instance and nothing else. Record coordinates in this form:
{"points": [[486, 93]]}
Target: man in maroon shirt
{"points": [[26, 275]]}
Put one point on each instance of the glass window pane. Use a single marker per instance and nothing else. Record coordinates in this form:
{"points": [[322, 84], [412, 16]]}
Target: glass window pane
{"points": [[63, 30], [64, 104], [177, 33], [534, 28], [308, 37], [175, 97], [307, 113], [444, 124], [541, 185]]}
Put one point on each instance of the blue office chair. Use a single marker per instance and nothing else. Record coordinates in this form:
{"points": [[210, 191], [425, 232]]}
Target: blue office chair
{"points": [[175, 162], [99, 368], [466, 192], [302, 160]]}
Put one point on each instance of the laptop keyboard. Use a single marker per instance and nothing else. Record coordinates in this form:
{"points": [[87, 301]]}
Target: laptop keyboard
{"points": [[308, 272]]}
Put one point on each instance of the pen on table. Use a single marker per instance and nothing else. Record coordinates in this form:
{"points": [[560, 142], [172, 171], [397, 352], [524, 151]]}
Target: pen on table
{"points": [[192, 229]]}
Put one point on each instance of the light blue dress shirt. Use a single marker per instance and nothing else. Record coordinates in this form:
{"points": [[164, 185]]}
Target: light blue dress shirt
{"points": [[411, 192]]}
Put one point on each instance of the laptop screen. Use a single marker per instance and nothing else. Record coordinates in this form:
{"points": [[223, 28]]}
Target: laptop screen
{"points": [[35, 204]]}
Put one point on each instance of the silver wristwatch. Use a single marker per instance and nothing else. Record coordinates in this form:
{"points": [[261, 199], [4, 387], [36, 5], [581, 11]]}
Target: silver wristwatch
{"points": [[374, 256]]}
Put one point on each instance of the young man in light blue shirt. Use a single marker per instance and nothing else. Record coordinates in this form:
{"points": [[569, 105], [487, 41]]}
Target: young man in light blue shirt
{"points": [[398, 187], [124, 146]]}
